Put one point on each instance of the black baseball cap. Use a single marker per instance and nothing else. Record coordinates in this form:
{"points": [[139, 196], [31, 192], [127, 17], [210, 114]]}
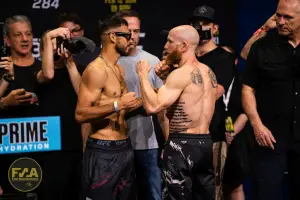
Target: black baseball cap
{"points": [[203, 12]]}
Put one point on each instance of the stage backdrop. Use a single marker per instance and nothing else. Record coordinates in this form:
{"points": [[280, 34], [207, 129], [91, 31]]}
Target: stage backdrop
{"points": [[155, 14]]}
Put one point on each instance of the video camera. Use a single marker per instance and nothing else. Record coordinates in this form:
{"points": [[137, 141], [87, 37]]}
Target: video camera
{"points": [[204, 33], [75, 46]]}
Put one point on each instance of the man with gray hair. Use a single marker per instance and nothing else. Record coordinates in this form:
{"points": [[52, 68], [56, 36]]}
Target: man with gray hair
{"points": [[270, 98], [18, 83]]}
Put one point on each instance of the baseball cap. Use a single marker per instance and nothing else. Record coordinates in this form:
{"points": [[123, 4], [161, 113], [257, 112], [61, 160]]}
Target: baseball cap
{"points": [[203, 12]]}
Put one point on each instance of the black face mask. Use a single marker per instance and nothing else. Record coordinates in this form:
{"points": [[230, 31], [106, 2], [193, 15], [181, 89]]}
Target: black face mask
{"points": [[204, 34]]}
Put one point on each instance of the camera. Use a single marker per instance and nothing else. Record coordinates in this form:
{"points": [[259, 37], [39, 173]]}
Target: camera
{"points": [[204, 33], [73, 46]]}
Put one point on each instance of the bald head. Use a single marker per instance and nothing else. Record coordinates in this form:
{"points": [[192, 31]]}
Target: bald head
{"points": [[291, 5], [288, 17], [186, 33]]}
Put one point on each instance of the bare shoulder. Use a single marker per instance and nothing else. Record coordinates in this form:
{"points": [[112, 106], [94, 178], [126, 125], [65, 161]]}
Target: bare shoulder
{"points": [[212, 77], [178, 77], [195, 73], [95, 72]]}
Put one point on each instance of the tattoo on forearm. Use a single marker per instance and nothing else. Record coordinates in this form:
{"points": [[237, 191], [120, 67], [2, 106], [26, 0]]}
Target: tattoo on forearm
{"points": [[196, 77], [178, 118], [213, 78]]}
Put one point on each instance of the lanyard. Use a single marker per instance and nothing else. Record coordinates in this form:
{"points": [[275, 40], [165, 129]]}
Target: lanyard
{"points": [[227, 96]]}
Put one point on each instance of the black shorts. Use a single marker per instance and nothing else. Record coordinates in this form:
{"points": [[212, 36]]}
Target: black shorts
{"points": [[188, 167], [108, 170], [237, 165]]}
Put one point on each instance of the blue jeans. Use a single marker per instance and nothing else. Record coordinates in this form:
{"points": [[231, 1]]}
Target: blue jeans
{"points": [[148, 174]]}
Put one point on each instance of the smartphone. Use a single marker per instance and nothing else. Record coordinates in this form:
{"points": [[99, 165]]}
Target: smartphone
{"points": [[34, 99], [4, 52]]}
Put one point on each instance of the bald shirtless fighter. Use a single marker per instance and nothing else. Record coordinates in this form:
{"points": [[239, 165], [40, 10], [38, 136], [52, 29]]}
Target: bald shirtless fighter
{"points": [[108, 168], [189, 95]]}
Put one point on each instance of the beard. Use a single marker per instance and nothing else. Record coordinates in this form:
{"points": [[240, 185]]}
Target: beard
{"points": [[122, 50], [173, 58]]}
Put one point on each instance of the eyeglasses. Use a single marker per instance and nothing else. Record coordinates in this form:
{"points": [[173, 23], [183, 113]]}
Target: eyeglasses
{"points": [[75, 30], [121, 34]]}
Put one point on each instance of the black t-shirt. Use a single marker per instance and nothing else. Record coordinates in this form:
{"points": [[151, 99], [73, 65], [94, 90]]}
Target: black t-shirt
{"points": [[223, 65], [273, 70], [24, 78], [58, 98]]}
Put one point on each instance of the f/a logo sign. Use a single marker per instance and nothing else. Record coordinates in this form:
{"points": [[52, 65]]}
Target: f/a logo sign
{"points": [[20, 173], [25, 174]]}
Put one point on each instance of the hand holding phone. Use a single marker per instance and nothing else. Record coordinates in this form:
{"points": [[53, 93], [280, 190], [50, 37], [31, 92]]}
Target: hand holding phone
{"points": [[7, 67], [20, 97]]}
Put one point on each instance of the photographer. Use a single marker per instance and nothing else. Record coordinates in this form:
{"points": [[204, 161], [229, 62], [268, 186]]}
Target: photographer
{"points": [[223, 65], [58, 97], [74, 23], [76, 27]]}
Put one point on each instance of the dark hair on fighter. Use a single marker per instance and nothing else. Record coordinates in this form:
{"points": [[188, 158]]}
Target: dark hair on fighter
{"points": [[111, 22], [128, 13]]}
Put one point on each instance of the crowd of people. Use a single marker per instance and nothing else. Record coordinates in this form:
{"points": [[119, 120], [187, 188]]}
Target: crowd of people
{"points": [[188, 125]]}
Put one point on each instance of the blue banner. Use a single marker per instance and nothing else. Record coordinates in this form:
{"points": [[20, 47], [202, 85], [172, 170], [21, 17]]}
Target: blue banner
{"points": [[23, 135]]}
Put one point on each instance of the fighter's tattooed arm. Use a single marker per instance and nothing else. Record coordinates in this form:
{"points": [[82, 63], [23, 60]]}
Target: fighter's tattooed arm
{"points": [[196, 77], [213, 78]]}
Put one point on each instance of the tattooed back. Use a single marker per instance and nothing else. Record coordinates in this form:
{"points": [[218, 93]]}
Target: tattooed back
{"points": [[193, 111]]}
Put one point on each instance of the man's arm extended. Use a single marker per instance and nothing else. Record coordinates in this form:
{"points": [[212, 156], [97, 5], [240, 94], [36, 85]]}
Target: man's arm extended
{"points": [[93, 81], [166, 95]]}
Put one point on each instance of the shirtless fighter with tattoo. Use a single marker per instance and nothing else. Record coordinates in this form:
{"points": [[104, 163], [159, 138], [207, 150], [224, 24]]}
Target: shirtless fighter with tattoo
{"points": [[189, 95], [108, 165]]}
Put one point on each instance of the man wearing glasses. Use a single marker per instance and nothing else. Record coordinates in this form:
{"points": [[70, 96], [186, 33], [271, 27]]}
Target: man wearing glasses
{"points": [[108, 165]]}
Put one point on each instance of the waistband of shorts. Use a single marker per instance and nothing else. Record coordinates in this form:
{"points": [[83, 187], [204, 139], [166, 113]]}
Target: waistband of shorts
{"points": [[107, 143], [189, 136]]}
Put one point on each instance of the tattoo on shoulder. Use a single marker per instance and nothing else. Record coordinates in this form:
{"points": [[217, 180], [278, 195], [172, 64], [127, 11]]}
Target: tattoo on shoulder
{"points": [[213, 78], [196, 77]]}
